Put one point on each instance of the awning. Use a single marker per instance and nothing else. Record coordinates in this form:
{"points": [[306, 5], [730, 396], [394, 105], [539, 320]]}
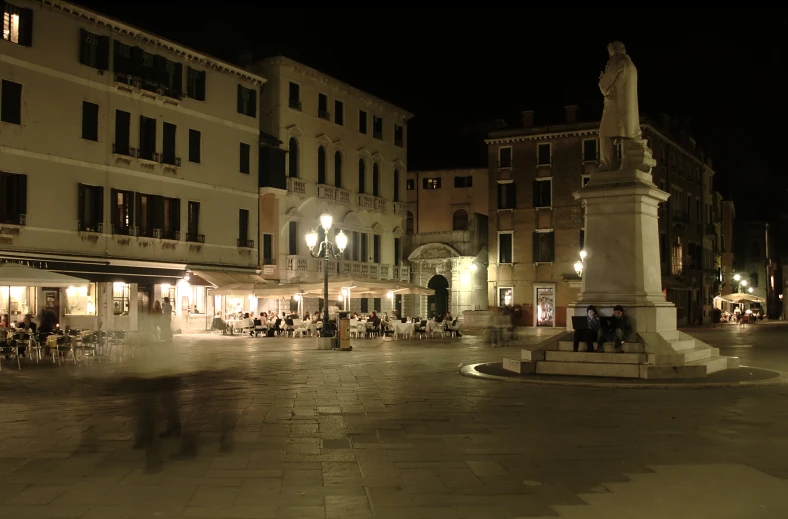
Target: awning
{"points": [[20, 275], [360, 287], [741, 297], [223, 279]]}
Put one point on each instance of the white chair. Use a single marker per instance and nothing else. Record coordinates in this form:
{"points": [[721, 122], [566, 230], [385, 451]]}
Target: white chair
{"points": [[300, 327]]}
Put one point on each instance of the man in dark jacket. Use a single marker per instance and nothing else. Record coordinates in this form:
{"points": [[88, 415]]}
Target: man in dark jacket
{"points": [[618, 330], [589, 334]]}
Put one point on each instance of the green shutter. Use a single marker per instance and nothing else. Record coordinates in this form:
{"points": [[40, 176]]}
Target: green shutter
{"points": [[103, 53], [535, 247]]}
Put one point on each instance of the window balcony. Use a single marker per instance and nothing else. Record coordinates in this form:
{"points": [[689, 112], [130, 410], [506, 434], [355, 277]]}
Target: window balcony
{"points": [[166, 234], [246, 243], [95, 227], [401, 209], [295, 104], [324, 114], [381, 204], [366, 201], [296, 186], [195, 237], [125, 230], [326, 192], [14, 219], [343, 196], [401, 273], [308, 268]]}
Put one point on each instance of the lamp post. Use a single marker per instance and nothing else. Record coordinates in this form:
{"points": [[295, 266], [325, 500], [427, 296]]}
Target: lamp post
{"points": [[579, 264], [326, 250]]}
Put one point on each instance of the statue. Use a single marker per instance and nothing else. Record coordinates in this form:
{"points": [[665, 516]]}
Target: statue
{"points": [[620, 118]]}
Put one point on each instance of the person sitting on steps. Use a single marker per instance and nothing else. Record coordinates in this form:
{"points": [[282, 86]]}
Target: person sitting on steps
{"points": [[618, 330], [588, 335]]}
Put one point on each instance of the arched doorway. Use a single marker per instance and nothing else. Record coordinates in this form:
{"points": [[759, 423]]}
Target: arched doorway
{"points": [[438, 303]]}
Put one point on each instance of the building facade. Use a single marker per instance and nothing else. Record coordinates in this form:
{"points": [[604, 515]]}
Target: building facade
{"points": [[446, 240], [728, 212], [751, 261], [537, 227], [127, 160], [346, 154]]}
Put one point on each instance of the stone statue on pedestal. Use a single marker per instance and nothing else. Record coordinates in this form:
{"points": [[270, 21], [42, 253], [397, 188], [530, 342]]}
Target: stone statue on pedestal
{"points": [[620, 119]]}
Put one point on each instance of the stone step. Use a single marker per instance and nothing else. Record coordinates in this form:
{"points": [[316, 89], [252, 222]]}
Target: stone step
{"points": [[608, 358], [519, 366], [609, 347], [588, 369], [696, 354], [697, 369], [682, 344]]}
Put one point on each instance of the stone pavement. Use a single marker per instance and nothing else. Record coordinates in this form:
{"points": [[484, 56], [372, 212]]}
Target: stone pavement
{"points": [[387, 430]]}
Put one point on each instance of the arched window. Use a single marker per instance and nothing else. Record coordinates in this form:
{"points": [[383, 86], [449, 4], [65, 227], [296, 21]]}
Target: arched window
{"points": [[362, 176], [337, 169], [409, 223], [396, 185], [460, 220], [375, 180], [293, 158], [321, 165]]}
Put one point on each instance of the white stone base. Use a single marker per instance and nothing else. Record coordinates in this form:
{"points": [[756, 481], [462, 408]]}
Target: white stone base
{"points": [[325, 343]]}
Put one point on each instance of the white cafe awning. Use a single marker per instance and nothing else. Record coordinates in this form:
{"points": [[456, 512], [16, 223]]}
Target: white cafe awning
{"points": [[14, 274]]}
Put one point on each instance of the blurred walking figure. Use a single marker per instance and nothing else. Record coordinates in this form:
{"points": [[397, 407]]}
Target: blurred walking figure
{"points": [[155, 319], [166, 320]]}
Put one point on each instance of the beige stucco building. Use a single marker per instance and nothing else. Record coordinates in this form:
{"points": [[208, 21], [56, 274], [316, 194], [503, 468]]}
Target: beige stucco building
{"points": [[127, 160], [346, 155], [446, 240]]}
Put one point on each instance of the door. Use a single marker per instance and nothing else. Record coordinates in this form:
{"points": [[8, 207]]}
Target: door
{"points": [[545, 311], [438, 303], [143, 299]]}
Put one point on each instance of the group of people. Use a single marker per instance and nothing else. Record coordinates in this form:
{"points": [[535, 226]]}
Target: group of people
{"points": [[616, 329], [160, 323]]}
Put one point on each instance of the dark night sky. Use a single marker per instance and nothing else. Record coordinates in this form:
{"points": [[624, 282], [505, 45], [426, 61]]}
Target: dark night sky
{"points": [[726, 71]]}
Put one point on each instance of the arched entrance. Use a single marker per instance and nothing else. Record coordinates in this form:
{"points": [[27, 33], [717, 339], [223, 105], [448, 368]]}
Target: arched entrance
{"points": [[439, 302]]}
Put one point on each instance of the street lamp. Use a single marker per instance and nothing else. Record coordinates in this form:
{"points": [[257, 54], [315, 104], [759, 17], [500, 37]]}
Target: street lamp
{"points": [[579, 264], [749, 290], [326, 249]]}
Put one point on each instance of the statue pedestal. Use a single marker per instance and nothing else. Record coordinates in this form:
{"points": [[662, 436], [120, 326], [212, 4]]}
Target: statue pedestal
{"points": [[623, 268]]}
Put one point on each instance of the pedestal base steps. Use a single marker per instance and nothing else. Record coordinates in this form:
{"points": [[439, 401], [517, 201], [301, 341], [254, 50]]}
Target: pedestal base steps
{"points": [[690, 359]]}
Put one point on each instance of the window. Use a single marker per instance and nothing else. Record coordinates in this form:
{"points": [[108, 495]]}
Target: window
{"points": [[13, 199], [543, 247], [122, 131], [678, 258], [243, 229], [504, 296], [93, 50], [398, 135], [18, 25], [410, 184], [460, 220], [147, 138], [364, 250], [195, 84], [144, 211], [120, 298], [90, 114], [376, 304], [689, 206], [168, 145], [397, 251], [81, 300], [294, 99], [322, 107], [245, 151], [11, 103], [90, 208], [663, 248], [582, 239], [292, 238], [586, 179], [167, 214], [505, 157], [337, 169], [543, 190], [590, 150], [321, 165], [292, 158], [268, 249], [247, 101], [375, 248], [339, 112], [507, 195], [194, 146], [432, 183], [122, 207], [463, 181], [364, 305], [409, 223], [377, 127], [396, 185], [362, 176], [168, 77], [356, 245], [362, 121], [543, 154], [121, 60], [375, 179], [193, 223], [505, 247]]}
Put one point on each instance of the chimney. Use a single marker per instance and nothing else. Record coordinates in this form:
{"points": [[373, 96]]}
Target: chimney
{"points": [[571, 113], [528, 118]]}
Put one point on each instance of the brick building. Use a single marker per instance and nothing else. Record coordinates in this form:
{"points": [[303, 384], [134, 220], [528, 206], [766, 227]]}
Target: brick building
{"points": [[537, 227]]}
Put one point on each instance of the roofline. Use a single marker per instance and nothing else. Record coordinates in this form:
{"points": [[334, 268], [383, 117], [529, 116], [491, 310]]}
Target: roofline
{"points": [[148, 37], [284, 60], [483, 169], [579, 129]]}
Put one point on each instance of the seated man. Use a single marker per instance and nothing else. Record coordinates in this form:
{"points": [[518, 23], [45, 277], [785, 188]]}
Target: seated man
{"points": [[618, 330], [588, 334]]}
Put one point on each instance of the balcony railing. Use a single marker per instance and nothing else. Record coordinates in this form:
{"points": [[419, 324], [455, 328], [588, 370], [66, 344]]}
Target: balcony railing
{"points": [[366, 201], [326, 192], [246, 243], [195, 237], [380, 204], [377, 134], [401, 272], [171, 160], [298, 263], [296, 186], [343, 196], [123, 149], [15, 219], [125, 230], [295, 103], [301, 266], [401, 209], [97, 227], [323, 114]]}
